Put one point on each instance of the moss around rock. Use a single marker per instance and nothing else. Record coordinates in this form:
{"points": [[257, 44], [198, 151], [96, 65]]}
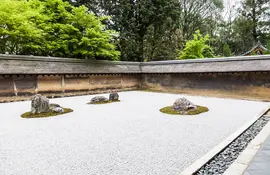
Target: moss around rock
{"points": [[45, 114], [170, 110], [104, 102]]}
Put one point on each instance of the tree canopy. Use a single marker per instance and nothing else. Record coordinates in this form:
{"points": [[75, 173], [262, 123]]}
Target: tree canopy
{"points": [[54, 28], [131, 30], [197, 48]]}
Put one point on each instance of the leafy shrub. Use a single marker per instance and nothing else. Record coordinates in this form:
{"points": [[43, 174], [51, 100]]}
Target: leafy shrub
{"points": [[197, 48]]}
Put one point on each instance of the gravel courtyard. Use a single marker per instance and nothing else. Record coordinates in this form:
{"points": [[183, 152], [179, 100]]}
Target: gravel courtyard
{"points": [[130, 137]]}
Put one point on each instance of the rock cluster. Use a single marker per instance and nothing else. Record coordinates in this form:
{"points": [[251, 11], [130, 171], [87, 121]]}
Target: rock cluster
{"points": [[220, 163], [114, 96], [101, 99], [40, 104], [182, 104]]}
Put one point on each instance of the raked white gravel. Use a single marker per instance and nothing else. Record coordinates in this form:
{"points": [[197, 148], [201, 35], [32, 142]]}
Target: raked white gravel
{"points": [[126, 138]]}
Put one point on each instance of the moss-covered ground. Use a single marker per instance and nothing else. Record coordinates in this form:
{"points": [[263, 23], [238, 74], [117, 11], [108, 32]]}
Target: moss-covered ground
{"points": [[106, 102], [47, 114], [170, 110]]}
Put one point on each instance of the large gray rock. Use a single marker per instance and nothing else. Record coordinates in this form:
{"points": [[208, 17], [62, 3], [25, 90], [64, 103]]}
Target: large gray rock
{"points": [[114, 96], [182, 104], [39, 104], [99, 99]]}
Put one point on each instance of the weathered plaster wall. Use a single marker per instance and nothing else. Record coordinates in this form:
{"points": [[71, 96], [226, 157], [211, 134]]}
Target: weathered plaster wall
{"points": [[237, 77], [20, 85], [6, 86], [246, 85]]}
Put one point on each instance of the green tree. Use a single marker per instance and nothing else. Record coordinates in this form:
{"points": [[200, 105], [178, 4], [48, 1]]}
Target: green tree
{"points": [[257, 13], [226, 50], [19, 32], [250, 26], [197, 48], [145, 27], [54, 28], [199, 15], [155, 30]]}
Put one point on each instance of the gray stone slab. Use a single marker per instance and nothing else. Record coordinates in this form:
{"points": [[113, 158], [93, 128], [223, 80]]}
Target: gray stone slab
{"points": [[260, 164]]}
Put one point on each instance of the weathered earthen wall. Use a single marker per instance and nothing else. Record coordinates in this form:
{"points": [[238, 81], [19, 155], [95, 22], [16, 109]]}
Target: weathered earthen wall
{"points": [[246, 85], [6, 86], [239, 77], [28, 85], [50, 84]]}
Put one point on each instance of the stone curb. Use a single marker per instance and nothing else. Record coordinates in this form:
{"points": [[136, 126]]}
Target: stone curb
{"points": [[242, 162], [193, 168]]}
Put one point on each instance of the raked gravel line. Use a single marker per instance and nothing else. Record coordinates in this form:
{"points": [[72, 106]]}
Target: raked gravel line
{"points": [[130, 137]]}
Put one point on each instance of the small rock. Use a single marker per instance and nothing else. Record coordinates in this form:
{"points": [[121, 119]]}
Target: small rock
{"points": [[54, 105], [114, 96], [99, 99], [58, 110], [39, 104]]}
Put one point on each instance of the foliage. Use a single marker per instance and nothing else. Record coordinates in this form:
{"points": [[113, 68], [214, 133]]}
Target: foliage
{"points": [[53, 28], [268, 48], [226, 50], [46, 114], [142, 30], [171, 111], [242, 31], [155, 30], [197, 48], [18, 31]]}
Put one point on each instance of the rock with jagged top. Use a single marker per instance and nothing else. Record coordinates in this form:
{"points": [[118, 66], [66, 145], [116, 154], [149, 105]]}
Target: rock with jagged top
{"points": [[39, 104], [183, 104]]}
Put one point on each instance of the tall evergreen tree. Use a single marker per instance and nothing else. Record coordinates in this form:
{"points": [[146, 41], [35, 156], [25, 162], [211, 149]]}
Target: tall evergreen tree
{"points": [[257, 14]]}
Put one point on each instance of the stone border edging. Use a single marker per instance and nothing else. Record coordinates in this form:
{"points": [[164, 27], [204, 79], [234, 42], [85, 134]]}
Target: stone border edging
{"points": [[242, 162], [193, 168]]}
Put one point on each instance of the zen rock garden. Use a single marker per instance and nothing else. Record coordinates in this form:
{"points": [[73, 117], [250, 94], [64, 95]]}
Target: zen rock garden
{"points": [[183, 106], [40, 107], [113, 97], [118, 138]]}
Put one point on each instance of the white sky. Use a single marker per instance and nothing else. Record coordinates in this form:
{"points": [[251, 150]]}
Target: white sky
{"points": [[230, 8]]}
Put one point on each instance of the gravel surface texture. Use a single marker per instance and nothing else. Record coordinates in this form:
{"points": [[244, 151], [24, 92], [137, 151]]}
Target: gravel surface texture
{"points": [[129, 137], [222, 161]]}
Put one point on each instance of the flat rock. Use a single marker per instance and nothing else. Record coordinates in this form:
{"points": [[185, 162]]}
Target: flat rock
{"points": [[58, 110], [99, 99], [54, 105]]}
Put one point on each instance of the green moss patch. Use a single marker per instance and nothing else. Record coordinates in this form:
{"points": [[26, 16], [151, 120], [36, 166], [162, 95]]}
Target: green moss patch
{"points": [[170, 110], [106, 102], [47, 114]]}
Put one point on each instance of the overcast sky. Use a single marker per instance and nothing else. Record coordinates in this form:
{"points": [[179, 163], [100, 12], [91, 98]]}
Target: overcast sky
{"points": [[230, 5]]}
